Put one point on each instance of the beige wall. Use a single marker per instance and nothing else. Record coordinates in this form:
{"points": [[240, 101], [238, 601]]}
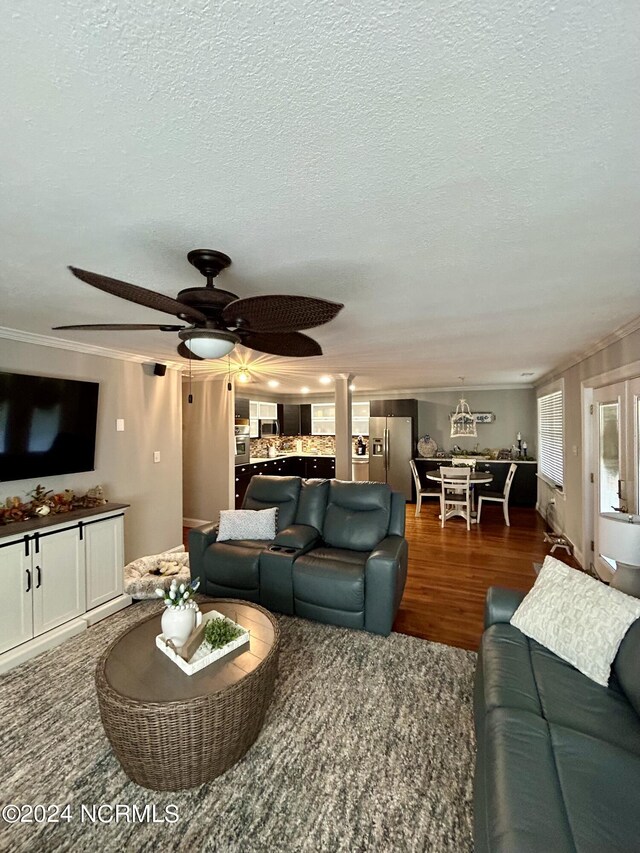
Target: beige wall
{"points": [[569, 507], [151, 408], [208, 450]]}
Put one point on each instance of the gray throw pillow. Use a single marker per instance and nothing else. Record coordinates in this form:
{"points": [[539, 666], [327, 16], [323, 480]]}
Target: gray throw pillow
{"points": [[247, 524]]}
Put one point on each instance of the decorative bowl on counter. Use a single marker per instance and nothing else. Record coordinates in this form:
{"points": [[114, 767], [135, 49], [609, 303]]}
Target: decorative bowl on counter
{"points": [[427, 447]]}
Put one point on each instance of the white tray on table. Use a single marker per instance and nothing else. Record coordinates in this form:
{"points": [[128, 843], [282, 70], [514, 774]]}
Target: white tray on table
{"points": [[202, 657]]}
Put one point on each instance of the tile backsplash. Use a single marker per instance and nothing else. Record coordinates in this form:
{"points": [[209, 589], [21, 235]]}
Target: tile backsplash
{"points": [[321, 444]]}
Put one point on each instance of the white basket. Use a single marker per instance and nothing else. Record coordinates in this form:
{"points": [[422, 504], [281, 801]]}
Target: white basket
{"points": [[202, 657]]}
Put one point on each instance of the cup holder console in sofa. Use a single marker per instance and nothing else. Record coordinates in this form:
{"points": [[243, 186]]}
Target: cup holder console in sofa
{"points": [[339, 556]]}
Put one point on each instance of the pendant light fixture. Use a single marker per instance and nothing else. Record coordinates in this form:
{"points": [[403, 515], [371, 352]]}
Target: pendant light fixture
{"points": [[463, 424]]}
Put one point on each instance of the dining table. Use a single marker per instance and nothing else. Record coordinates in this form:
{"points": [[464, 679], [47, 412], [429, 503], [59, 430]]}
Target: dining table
{"points": [[476, 478]]}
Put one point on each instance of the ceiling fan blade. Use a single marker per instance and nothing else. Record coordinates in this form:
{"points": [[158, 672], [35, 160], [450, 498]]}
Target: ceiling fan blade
{"points": [[280, 313], [291, 344], [117, 327], [141, 295], [185, 352]]}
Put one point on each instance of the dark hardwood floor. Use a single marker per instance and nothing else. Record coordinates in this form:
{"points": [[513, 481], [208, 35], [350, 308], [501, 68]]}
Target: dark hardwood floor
{"points": [[450, 569]]}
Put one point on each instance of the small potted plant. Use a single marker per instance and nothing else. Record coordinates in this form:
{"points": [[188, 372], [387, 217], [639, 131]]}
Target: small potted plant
{"points": [[181, 615]]}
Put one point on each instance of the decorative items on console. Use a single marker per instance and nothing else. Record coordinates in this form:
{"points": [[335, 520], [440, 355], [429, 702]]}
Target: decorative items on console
{"points": [[45, 501]]}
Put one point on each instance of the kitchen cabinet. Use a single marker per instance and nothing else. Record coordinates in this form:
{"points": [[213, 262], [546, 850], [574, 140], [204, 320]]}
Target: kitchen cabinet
{"points": [[289, 419], [54, 572], [305, 419], [394, 409], [242, 408], [322, 467]]}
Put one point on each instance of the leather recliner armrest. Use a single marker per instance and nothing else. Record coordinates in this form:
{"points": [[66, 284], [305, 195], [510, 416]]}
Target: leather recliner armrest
{"points": [[385, 576], [199, 540], [500, 604], [302, 537]]}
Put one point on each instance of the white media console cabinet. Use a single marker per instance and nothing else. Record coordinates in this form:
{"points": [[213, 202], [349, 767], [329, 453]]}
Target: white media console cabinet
{"points": [[58, 575]]}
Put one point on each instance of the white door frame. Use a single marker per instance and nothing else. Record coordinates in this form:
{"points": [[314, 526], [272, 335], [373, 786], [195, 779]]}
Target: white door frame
{"points": [[611, 377]]}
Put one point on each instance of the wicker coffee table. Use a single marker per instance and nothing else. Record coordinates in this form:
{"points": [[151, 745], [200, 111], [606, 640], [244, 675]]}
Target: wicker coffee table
{"points": [[170, 730]]}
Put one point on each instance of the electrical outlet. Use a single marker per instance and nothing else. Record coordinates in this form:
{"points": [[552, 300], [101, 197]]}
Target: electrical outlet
{"points": [[156, 455]]}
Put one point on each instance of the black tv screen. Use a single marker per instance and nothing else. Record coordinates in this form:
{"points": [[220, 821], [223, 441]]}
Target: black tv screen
{"points": [[47, 426]]}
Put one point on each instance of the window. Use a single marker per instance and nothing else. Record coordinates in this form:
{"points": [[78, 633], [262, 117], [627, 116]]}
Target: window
{"points": [[551, 436], [260, 412], [323, 418]]}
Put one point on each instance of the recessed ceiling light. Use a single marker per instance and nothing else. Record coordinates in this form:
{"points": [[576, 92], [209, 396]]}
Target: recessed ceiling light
{"points": [[273, 383], [325, 380], [304, 390]]}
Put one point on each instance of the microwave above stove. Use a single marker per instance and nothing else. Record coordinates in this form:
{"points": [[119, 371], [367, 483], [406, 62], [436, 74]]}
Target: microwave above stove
{"points": [[268, 428]]}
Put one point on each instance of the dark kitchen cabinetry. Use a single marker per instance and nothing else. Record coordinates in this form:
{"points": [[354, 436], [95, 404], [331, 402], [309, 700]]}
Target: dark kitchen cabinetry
{"points": [[305, 419], [289, 418], [394, 409], [242, 408], [323, 467]]}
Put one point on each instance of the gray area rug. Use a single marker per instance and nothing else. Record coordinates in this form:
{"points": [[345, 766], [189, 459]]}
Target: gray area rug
{"points": [[368, 746]]}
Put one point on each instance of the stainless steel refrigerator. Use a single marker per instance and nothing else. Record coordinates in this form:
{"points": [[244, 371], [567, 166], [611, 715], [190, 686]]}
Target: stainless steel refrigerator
{"points": [[390, 449]]}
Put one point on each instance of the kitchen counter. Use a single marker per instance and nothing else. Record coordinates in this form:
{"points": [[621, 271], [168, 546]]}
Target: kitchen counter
{"points": [[293, 455], [478, 459]]}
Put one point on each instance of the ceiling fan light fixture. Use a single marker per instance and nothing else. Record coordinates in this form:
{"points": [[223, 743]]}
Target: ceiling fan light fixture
{"points": [[209, 343]]}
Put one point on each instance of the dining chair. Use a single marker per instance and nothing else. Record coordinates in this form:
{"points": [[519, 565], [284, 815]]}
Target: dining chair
{"points": [[421, 491], [470, 463], [499, 497], [455, 493]]}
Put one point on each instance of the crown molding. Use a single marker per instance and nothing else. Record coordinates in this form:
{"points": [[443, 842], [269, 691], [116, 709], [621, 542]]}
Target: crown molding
{"points": [[602, 343], [80, 346]]}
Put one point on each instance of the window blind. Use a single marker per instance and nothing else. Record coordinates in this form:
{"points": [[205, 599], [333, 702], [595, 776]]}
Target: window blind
{"points": [[551, 437]]}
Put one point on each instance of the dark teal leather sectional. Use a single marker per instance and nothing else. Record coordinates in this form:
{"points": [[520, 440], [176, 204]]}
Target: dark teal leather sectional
{"points": [[558, 761], [339, 556]]}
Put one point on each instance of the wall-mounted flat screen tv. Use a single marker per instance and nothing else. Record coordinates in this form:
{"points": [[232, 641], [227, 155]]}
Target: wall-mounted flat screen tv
{"points": [[47, 426]]}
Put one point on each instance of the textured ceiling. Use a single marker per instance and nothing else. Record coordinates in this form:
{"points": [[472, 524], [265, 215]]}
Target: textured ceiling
{"points": [[464, 176]]}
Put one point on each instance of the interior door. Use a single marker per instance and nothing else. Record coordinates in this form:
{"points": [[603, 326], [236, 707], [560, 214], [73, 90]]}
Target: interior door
{"points": [[615, 457]]}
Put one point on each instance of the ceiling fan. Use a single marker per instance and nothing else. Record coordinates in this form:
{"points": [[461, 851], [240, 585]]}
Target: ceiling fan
{"points": [[219, 319]]}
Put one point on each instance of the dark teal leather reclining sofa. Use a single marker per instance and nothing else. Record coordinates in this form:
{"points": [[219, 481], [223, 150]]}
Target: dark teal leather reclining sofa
{"points": [[339, 555], [558, 761]]}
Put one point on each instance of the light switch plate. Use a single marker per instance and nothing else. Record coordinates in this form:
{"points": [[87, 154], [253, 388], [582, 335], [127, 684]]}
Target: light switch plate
{"points": [[156, 455], [119, 424]]}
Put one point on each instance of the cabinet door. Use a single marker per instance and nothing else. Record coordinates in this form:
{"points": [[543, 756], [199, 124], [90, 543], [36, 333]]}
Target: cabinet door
{"points": [[305, 419], [321, 467], [16, 625], [59, 583], [289, 417], [242, 407], [104, 558]]}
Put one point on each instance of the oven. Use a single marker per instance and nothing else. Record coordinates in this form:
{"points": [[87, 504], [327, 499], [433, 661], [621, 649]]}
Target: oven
{"points": [[243, 441]]}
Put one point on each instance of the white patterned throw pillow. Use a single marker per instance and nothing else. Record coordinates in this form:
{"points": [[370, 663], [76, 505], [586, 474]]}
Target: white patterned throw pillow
{"points": [[577, 618], [247, 524]]}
